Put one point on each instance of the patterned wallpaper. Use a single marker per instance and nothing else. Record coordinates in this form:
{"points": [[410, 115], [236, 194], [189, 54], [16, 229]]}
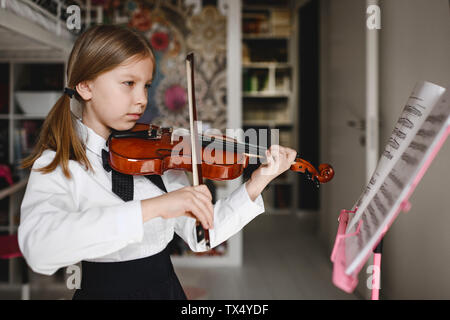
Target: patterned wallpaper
{"points": [[175, 28]]}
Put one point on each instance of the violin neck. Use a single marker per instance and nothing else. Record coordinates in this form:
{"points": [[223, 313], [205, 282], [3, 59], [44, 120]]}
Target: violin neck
{"points": [[250, 150]]}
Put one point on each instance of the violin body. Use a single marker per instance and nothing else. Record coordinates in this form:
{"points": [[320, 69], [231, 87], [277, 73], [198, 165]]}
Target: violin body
{"points": [[157, 152]]}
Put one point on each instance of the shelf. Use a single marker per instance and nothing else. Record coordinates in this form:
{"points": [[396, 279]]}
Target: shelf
{"points": [[263, 7], [270, 123], [266, 65], [8, 229], [13, 189], [266, 36], [22, 116], [271, 210], [280, 183], [262, 94], [29, 116]]}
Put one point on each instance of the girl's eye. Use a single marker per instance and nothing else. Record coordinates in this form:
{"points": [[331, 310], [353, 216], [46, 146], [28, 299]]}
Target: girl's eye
{"points": [[148, 86], [129, 83]]}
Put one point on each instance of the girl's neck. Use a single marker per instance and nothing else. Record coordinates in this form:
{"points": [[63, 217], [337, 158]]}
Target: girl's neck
{"points": [[96, 126]]}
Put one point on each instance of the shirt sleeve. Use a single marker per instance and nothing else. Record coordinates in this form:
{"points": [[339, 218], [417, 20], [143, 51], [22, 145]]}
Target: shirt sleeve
{"points": [[53, 234], [231, 214]]}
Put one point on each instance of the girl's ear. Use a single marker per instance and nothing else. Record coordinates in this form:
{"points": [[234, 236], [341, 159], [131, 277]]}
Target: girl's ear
{"points": [[84, 90]]}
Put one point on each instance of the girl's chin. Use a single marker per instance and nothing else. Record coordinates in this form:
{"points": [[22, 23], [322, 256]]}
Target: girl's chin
{"points": [[125, 125]]}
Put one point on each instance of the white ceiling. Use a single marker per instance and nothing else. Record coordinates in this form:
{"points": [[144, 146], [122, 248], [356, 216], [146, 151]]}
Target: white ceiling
{"points": [[16, 45]]}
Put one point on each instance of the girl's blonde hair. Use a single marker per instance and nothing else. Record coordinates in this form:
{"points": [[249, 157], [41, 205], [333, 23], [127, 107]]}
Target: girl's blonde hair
{"points": [[98, 50]]}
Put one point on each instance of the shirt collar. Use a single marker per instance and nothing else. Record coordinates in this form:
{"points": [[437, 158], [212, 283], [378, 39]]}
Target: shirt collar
{"points": [[91, 139]]}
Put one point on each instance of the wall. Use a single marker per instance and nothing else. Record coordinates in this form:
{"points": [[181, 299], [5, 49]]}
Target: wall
{"points": [[414, 46], [342, 100], [174, 29]]}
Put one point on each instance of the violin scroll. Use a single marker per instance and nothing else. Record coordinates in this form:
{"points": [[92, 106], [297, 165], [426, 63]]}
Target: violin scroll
{"points": [[326, 173], [323, 175]]}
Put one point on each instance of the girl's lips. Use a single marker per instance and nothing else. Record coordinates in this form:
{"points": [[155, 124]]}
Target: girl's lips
{"points": [[134, 115]]}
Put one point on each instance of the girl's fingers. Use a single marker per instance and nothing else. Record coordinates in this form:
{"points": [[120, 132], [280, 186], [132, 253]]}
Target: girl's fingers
{"points": [[274, 148], [203, 189], [267, 168], [205, 204], [189, 214], [202, 194], [198, 213], [206, 200], [292, 155], [270, 158], [282, 157], [207, 211]]}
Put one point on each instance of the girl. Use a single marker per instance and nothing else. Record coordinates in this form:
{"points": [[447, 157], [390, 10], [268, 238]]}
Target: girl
{"points": [[71, 211]]}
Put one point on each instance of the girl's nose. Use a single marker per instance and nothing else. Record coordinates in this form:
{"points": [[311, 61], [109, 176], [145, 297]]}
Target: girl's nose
{"points": [[141, 97]]}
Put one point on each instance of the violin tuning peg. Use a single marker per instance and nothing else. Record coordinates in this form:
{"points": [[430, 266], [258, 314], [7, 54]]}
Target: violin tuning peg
{"points": [[317, 182], [308, 175]]}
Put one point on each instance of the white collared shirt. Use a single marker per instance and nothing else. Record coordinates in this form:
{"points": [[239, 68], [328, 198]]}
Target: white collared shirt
{"points": [[63, 222]]}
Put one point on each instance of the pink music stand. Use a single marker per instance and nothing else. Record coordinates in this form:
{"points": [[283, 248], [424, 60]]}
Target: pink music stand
{"points": [[348, 282]]}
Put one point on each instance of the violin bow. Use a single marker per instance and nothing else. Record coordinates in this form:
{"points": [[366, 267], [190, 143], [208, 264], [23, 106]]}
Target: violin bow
{"points": [[202, 234]]}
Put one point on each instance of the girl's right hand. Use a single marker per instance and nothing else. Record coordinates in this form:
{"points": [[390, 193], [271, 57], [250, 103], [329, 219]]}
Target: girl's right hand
{"points": [[195, 202]]}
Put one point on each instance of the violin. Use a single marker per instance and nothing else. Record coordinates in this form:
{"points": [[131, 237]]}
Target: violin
{"points": [[149, 149]]}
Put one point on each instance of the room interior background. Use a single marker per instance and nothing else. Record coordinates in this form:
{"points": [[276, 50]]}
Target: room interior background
{"points": [[317, 97]]}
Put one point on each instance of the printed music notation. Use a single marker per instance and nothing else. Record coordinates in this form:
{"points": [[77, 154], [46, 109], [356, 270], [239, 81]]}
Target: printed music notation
{"points": [[421, 126]]}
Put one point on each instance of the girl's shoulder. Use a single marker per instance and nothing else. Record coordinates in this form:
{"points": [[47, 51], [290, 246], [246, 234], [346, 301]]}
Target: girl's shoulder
{"points": [[44, 159], [47, 157]]}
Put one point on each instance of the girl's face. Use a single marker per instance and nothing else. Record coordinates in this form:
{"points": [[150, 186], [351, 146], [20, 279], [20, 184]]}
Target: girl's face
{"points": [[116, 99]]}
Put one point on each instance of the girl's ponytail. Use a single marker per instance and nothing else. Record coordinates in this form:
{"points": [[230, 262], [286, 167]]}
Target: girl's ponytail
{"points": [[58, 133]]}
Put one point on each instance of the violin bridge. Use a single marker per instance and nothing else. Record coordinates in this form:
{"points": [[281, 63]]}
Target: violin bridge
{"points": [[154, 132]]}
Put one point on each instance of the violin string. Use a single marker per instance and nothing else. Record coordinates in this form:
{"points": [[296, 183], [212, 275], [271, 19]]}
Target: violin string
{"points": [[232, 143], [229, 145], [247, 148]]}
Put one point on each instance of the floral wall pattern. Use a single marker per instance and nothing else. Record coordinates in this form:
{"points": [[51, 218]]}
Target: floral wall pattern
{"points": [[174, 29]]}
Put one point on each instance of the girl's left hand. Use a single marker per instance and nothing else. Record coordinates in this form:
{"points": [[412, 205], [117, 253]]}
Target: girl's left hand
{"points": [[279, 160]]}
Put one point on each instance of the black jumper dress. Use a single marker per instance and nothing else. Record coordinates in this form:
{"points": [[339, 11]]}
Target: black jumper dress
{"points": [[151, 278], [148, 278]]}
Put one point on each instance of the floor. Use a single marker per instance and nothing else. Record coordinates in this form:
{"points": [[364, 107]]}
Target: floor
{"points": [[282, 260]]}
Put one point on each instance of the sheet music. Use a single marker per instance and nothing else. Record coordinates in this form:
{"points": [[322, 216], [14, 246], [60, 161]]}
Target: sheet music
{"points": [[383, 206], [424, 96]]}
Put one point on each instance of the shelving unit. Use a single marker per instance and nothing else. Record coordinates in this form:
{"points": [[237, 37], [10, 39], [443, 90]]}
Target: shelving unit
{"points": [[29, 75], [21, 133], [269, 77]]}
